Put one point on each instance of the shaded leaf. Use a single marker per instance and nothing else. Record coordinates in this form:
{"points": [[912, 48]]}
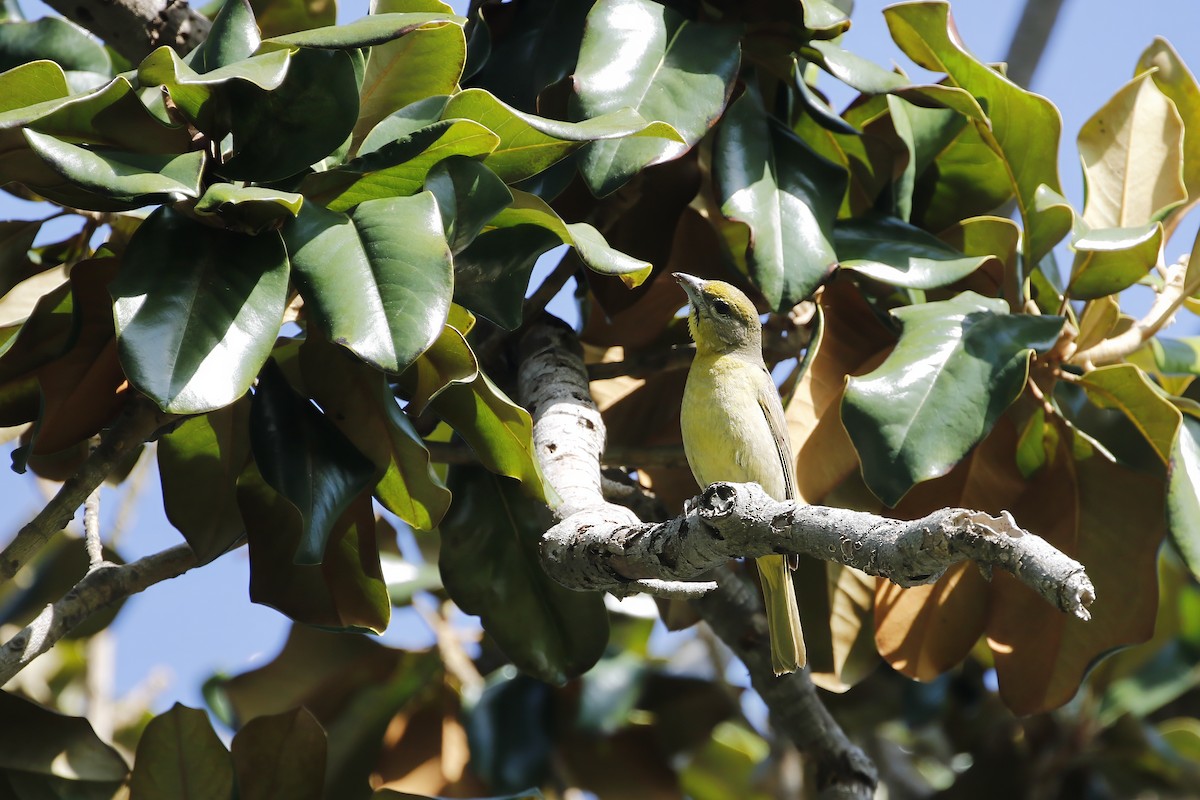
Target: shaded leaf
{"points": [[359, 402], [641, 55], [233, 37], [468, 195], [786, 195], [490, 566], [193, 337], [379, 280], [1183, 500], [282, 755], [1132, 152], [375, 29], [491, 276], [179, 755], [301, 455], [959, 363], [199, 463], [36, 740], [52, 39], [889, 250], [448, 360], [16, 239], [280, 17]]}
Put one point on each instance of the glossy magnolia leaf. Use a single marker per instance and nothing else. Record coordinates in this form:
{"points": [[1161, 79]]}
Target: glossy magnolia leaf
{"points": [[358, 400], [379, 280], [249, 208], [641, 55], [204, 99], [199, 463], [530, 144], [498, 430], [490, 566], [1132, 152], [426, 62], [121, 180], [180, 755], [491, 276], [193, 337], [42, 742], [281, 132], [1108, 517], [1098, 321], [595, 252], [234, 37], [398, 168], [1176, 356], [16, 240], [1176, 81], [448, 360], [853, 70], [42, 337], [959, 363], [1022, 127], [1183, 498], [1126, 387], [281, 17], [786, 195], [52, 39], [894, 252], [281, 755], [30, 84], [306, 459], [1112, 259], [468, 195], [405, 122], [346, 591], [375, 29]]}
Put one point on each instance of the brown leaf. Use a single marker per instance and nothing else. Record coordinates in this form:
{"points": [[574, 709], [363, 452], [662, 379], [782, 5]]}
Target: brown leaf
{"points": [[425, 750]]}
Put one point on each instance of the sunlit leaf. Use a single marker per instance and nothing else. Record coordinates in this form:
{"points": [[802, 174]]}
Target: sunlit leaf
{"points": [[375, 29], [52, 39], [234, 37], [249, 208], [899, 254], [1183, 499], [1112, 259], [1125, 387]]}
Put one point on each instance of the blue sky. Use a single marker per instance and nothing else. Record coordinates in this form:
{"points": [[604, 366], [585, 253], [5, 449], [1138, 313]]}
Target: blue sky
{"points": [[203, 621]]}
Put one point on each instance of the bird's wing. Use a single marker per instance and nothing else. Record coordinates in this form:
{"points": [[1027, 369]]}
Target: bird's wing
{"points": [[768, 401]]}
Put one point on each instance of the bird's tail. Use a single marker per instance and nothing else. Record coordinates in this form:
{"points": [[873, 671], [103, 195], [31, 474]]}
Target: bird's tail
{"points": [[783, 615]]}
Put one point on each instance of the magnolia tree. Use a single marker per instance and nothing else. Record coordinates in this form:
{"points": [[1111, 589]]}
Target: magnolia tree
{"points": [[301, 283]]}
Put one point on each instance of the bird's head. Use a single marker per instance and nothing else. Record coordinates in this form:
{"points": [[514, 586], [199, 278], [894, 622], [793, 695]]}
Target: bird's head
{"points": [[722, 319]]}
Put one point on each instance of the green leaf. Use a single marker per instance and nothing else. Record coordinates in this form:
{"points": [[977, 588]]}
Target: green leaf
{"points": [[787, 196], [498, 430], [52, 39], [379, 280], [204, 99], [375, 29], [249, 208], [1022, 127], [120, 180], [468, 195], [345, 592], [819, 110], [233, 37], [199, 463], [31, 84], [358, 400], [405, 122], [1177, 356], [36, 740], [16, 240], [306, 459], [449, 360], [397, 169], [853, 70], [530, 144], [281, 755], [641, 55], [958, 365], [193, 337], [281, 132], [892, 251], [425, 63], [1132, 152], [491, 568], [1125, 387], [1183, 499], [44, 335], [280, 17], [180, 755], [595, 252], [1109, 260], [491, 276]]}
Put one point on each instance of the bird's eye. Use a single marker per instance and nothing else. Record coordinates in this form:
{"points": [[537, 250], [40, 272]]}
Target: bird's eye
{"points": [[721, 307]]}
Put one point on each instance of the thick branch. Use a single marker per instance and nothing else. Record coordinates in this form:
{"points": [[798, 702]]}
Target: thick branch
{"points": [[101, 587], [136, 424], [136, 27]]}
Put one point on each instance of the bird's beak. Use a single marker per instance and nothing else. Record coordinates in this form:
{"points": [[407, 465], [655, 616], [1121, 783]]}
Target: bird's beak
{"points": [[692, 285]]}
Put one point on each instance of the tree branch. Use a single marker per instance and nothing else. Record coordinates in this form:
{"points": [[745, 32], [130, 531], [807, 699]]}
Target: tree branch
{"points": [[136, 27], [136, 424], [101, 587]]}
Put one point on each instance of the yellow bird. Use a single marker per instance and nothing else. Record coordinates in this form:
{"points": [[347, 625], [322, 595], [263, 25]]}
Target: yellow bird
{"points": [[734, 430]]}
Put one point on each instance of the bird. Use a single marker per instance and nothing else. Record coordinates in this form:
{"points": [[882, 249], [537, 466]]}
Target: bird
{"points": [[734, 430]]}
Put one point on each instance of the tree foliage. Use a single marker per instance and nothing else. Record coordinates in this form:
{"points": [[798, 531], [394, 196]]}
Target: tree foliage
{"points": [[309, 248]]}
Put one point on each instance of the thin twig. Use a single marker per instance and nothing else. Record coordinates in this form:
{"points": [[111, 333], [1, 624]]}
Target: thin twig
{"points": [[98, 589], [1170, 298]]}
